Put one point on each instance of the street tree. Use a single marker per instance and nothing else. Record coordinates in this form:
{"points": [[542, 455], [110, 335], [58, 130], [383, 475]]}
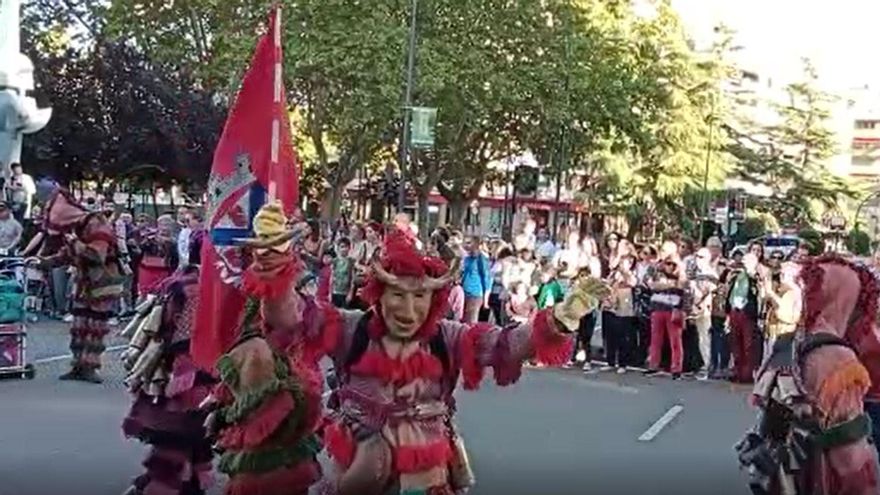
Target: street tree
{"points": [[791, 157], [114, 111], [343, 66]]}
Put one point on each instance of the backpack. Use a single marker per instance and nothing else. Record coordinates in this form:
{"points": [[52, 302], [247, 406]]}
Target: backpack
{"points": [[11, 301]]}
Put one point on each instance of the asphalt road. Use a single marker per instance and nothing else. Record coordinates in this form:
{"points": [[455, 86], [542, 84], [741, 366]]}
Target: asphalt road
{"points": [[556, 432]]}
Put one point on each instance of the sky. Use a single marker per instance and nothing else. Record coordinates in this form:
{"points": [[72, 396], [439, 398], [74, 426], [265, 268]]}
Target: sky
{"points": [[837, 35]]}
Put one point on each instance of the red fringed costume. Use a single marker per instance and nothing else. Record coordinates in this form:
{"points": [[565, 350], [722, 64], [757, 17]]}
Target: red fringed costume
{"points": [[813, 433], [392, 430], [267, 407]]}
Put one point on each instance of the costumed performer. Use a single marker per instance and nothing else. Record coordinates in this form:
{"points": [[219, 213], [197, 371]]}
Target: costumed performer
{"points": [[266, 410], [85, 240], [399, 362], [813, 435], [168, 389]]}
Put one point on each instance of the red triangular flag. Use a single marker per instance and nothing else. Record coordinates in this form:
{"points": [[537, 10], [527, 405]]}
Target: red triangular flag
{"points": [[253, 159]]}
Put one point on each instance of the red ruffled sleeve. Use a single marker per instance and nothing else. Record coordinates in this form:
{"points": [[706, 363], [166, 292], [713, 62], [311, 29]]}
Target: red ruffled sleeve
{"points": [[472, 369]]}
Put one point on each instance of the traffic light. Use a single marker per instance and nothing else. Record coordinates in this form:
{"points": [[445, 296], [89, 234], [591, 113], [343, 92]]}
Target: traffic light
{"points": [[526, 180], [736, 206]]}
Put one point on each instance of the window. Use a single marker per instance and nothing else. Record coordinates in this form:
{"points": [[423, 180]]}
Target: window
{"points": [[866, 124], [862, 161]]}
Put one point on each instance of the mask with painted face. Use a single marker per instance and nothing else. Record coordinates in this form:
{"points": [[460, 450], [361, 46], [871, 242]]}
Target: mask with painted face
{"points": [[408, 290]]}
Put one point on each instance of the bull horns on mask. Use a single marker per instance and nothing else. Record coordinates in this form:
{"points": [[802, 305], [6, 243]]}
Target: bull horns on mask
{"points": [[425, 283]]}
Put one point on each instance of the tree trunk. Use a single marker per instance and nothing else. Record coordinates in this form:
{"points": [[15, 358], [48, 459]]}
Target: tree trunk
{"points": [[332, 203], [457, 209], [423, 213]]}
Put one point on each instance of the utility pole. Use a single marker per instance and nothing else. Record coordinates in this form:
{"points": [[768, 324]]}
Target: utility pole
{"points": [[560, 161], [407, 106]]}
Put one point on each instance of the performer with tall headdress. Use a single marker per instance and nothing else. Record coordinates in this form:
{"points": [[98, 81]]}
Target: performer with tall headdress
{"points": [[86, 241], [813, 434], [398, 362]]}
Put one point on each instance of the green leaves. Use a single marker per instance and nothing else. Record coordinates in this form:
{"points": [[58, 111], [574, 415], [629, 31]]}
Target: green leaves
{"points": [[791, 157]]}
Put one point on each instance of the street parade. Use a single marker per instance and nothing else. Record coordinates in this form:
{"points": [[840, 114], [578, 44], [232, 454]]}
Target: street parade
{"points": [[328, 247]]}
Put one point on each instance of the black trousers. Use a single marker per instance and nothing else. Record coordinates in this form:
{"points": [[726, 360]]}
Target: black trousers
{"points": [[585, 336], [621, 336], [496, 306], [339, 300], [643, 341], [690, 339]]}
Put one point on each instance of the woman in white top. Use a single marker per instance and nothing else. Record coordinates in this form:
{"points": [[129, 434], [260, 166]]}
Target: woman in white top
{"points": [[589, 257], [568, 260], [503, 274]]}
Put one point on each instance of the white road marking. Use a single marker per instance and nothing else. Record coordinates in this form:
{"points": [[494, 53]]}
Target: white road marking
{"points": [[661, 423], [614, 387], [62, 357]]}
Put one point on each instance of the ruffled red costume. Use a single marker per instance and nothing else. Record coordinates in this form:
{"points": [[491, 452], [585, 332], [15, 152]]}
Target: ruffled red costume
{"points": [[392, 430], [269, 398]]}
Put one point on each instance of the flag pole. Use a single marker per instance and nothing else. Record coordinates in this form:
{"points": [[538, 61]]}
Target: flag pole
{"points": [[276, 123]]}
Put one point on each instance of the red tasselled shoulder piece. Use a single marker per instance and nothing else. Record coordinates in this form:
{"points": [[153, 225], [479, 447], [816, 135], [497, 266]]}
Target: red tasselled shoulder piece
{"points": [[271, 275], [472, 370]]}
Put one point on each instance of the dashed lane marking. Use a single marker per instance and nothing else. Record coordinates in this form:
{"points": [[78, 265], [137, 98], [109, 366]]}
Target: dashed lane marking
{"points": [[62, 357], [661, 423]]}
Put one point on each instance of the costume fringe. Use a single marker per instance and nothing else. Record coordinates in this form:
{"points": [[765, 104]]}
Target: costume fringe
{"points": [[551, 347], [416, 458], [472, 371], [270, 458], [851, 380], [248, 402], [506, 370], [259, 426], [331, 334], [286, 481], [340, 444], [376, 363]]}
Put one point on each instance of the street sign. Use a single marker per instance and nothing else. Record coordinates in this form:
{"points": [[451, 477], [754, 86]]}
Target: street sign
{"points": [[734, 228], [424, 120], [721, 215]]}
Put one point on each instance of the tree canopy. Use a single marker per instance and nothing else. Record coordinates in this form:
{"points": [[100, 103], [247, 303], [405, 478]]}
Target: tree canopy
{"points": [[617, 100]]}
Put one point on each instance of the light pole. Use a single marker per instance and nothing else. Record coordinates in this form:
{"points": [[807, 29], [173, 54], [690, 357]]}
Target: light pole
{"points": [[705, 202], [407, 105]]}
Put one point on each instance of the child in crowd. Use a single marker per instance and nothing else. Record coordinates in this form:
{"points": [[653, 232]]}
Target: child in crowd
{"points": [[324, 270], [456, 301], [551, 291], [343, 274], [520, 306]]}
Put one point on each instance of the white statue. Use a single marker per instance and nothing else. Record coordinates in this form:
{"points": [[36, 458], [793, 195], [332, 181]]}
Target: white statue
{"points": [[19, 114]]}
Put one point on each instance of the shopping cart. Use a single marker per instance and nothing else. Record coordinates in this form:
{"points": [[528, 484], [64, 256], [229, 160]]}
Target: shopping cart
{"points": [[13, 324]]}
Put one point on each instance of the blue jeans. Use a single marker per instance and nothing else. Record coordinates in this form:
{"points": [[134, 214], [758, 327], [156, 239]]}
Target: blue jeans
{"points": [[719, 351]]}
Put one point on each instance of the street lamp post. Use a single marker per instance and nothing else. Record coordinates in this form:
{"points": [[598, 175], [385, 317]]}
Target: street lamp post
{"points": [[705, 202], [407, 105]]}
